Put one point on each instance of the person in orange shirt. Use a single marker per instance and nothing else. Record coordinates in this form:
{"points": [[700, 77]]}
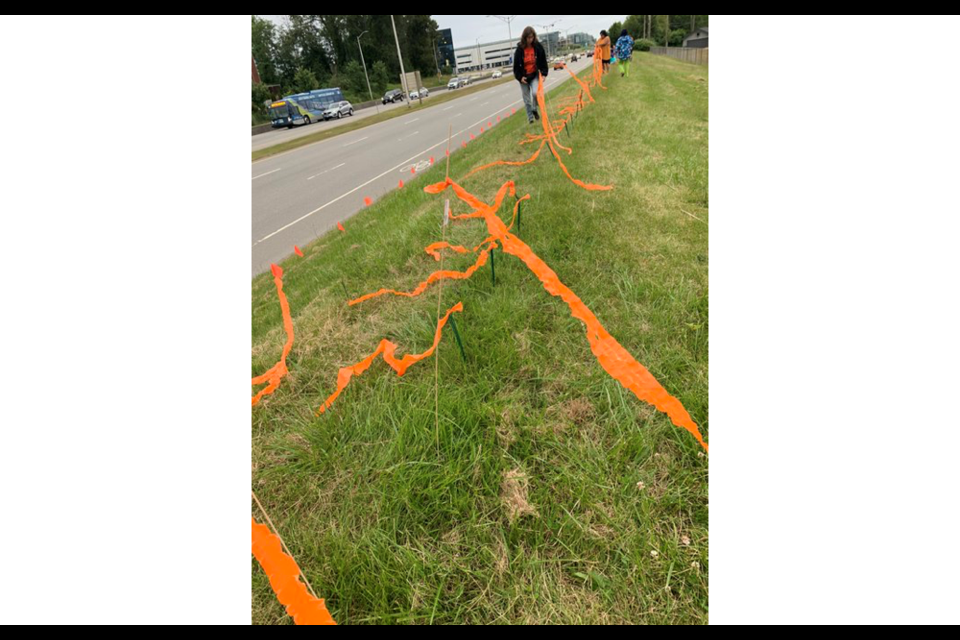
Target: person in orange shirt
{"points": [[604, 44], [529, 63]]}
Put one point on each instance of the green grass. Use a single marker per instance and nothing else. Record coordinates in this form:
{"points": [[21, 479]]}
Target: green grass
{"points": [[446, 96], [391, 527]]}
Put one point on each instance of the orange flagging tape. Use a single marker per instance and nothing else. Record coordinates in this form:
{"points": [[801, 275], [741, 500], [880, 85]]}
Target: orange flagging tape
{"points": [[615, 360], [285, 581], [434, 248], [583, 85], [549, 137], [387, 348], [433, 277], [516, 209], [548, 129], [297, 251], [340, 226], [551, 141], [508, 162], [598, 68], [277, 371]]}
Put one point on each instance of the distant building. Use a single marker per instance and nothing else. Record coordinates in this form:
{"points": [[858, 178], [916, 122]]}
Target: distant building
{"points": [[697, 39], [485, 56], [581, 39], [445, 52], [500, 53]]}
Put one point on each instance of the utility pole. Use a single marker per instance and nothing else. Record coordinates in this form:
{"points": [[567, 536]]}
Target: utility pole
{"points": [[369, 90], [403, 75], [508, 20]]}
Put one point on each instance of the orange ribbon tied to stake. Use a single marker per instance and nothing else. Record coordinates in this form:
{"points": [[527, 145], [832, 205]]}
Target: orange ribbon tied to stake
{"points": [[387, 348], [273, 376], [611, 355]]}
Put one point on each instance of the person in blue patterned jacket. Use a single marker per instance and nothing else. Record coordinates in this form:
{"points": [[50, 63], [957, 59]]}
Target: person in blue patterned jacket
{"points": [[624, 52]]}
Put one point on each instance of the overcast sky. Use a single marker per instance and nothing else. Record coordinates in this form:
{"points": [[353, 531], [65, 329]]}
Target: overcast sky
{"points": [[466, 29]]}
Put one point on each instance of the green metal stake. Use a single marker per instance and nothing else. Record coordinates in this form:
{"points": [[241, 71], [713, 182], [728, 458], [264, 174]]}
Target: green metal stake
{"points": [[519, 211], [493, 265], [456, 334], [344, 289]]}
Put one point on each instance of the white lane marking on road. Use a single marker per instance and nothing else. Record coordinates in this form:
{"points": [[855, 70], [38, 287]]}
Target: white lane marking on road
{"points": [[356, 141], [262, 160], [391, 169], [265, 174], [409, 136], [327, 171], [411, 121]]}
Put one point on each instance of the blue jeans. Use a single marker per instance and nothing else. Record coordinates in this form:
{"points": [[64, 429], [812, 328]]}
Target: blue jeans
{"points": [[529, 92]]}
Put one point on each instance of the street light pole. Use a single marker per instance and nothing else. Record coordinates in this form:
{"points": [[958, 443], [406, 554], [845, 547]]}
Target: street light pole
{"points": [[403, 75], [546, 32], [508, 20], [369, 90]]}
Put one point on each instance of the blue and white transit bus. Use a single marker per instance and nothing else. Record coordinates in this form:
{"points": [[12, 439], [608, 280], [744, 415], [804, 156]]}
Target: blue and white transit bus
{"points": [[287, 113], [303, 108], [326, 97], [310, 103]]}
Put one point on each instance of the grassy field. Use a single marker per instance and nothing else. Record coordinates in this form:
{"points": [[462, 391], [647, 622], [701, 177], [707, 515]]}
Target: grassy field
{"points": [[550, 493]]}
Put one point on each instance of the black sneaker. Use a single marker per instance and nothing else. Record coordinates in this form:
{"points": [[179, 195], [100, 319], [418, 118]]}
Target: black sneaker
{"points": [[536, 114]]}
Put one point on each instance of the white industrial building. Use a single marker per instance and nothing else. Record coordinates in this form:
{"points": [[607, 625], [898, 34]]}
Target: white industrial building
{"points": [[491, 55]]}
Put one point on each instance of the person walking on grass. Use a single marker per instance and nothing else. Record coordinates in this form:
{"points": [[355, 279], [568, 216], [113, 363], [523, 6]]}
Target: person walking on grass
{"points": [[604, 44], [624, 52], [529, 61]]}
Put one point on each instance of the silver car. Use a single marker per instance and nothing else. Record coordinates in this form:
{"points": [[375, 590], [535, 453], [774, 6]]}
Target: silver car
{"points": [[338, 110]]}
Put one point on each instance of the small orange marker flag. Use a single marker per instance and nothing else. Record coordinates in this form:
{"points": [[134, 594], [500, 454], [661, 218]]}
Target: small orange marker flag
{"points": [[367, 201], [413, 171], [400, 186], [464, 144], [489, 124], [472, 137], [297, 251], [340, 226], [431, 159]]}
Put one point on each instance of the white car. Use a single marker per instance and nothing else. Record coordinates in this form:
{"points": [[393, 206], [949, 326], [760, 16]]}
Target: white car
{"points": [[422, 93], [338, 110], [455, 83], [498, 74]]}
